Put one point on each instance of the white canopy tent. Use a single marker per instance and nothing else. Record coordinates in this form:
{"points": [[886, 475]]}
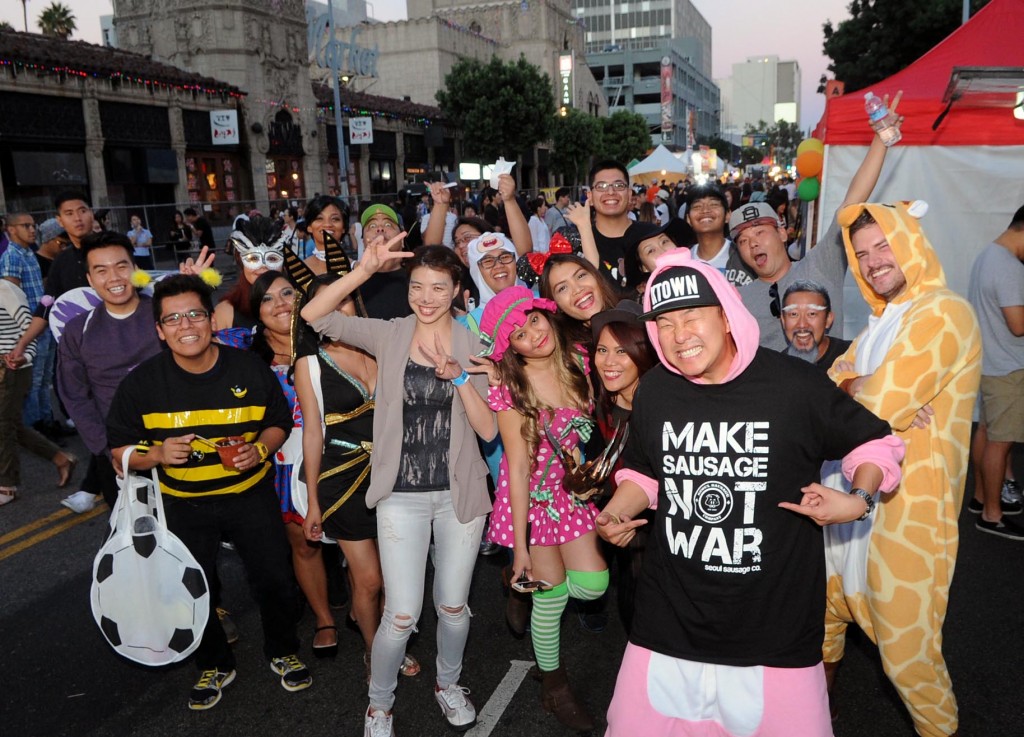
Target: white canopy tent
{"points": [[661, 164]]}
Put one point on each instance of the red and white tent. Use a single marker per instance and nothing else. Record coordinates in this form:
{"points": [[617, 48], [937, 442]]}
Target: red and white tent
{"points": [[970, 166]]}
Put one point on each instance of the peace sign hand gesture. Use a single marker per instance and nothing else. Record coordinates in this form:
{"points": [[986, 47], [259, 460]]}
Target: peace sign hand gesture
{"points": [[446, 368]]}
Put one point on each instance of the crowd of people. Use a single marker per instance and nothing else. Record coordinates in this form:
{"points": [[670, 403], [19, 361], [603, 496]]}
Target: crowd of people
{"points": [[614, 396]]}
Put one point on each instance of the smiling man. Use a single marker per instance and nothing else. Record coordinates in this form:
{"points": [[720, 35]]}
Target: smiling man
{"points": [[806, 319], [726, 442], [98, 349], [169, 409], [922, 347], [609, 198]]}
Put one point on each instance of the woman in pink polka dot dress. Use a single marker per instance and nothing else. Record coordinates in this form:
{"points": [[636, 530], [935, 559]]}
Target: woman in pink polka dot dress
{"points": [[544, 394]]}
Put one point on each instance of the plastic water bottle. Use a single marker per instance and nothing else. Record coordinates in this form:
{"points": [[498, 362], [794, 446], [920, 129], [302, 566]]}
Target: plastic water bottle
{"points": [[882, 119]]}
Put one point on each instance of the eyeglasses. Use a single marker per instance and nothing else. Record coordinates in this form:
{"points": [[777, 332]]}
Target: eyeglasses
{"points": [[776, 302], [706, 206], [254, 260], [618, 186], [488, 262], [31, 226], [465, 238], [792, 312], [175, 318]]}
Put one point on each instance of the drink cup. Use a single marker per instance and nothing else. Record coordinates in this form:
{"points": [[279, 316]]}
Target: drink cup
{"points": [[228, 448]]}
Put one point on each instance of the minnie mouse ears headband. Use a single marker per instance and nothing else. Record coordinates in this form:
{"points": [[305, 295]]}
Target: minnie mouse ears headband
{"points": [[565, 240]]}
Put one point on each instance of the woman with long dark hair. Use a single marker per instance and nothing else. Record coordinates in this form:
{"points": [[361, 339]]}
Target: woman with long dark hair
{"points": [[424, 403], [324, 216]]}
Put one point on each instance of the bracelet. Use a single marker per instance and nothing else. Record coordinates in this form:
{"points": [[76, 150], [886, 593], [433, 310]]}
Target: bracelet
{"points": [[868, 499], [461, 378]]}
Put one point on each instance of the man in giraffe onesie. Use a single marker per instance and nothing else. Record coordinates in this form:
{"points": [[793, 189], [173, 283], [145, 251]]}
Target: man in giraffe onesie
{"points": [[891, 573]]}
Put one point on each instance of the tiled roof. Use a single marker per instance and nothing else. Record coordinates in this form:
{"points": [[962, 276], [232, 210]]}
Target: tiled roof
{"points": [[387, 107], [36, 53]]}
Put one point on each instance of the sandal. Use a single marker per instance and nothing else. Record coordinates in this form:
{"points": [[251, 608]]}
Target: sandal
{"points": [[8, 494], [66, 469], [410, 666], [325, 651]]}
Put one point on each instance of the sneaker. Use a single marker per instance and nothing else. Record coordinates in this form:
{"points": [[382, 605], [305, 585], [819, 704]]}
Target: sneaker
{"points": [[294, 674], [457, 709], [1012, 493], [206, 693], [489, 548], [1008, 508], [80, 502], [378, 724], [1003, 528], [228, 625]]}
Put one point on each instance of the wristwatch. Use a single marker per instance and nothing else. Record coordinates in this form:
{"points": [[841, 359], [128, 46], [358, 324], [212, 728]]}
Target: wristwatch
{"points": [[264, 452], [868, 499]]}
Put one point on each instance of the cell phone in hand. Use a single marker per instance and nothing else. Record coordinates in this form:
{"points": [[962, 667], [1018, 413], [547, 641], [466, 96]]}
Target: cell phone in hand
{"points": [[525, 586]]}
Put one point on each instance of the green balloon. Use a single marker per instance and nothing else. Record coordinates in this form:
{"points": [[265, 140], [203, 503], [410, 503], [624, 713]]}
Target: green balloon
{"points": [[808, 189]]}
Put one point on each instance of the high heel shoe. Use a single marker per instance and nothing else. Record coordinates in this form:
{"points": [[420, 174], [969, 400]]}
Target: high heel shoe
{"points": [[65, 469], [325, 651]]}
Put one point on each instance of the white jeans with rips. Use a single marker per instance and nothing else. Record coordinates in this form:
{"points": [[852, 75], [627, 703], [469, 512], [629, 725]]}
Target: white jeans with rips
{"points": [[405, 521]]}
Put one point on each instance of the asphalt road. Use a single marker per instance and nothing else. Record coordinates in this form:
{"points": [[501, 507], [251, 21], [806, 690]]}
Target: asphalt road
{"points": [[60, 677]]}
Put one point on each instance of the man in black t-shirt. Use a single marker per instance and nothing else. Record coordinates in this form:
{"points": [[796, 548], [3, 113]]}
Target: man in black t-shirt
{"points": [[201, 227], [170, 409], [609, 199], [726, 443], [807, 317]]}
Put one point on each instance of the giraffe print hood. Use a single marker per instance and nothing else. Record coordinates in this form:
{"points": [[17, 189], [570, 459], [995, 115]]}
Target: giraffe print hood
{"points": [[900, 222]]}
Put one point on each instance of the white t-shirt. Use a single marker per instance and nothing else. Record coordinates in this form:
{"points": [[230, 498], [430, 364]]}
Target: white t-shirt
{"points": [[719, 261], [661, 211], [449, 225]]}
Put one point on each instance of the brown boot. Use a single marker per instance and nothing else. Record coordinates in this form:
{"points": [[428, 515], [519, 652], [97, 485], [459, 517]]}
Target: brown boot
{"points": [[830, 681], [517, 608], [558, 699]]}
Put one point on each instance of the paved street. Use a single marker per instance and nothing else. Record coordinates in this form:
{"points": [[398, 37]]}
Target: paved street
{"points": [[62, 679]]}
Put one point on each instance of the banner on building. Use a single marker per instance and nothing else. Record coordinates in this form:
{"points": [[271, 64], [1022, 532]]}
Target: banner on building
{"points": [[224, 127], [691, 127], [360, 130], [666, 94], [565, 75]]}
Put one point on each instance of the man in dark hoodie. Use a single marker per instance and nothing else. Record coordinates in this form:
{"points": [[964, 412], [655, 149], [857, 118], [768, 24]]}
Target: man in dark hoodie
{"points": [[726, 443]]}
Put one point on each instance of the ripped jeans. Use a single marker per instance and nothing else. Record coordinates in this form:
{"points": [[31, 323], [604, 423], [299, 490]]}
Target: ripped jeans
{"points": [[404, 525]]}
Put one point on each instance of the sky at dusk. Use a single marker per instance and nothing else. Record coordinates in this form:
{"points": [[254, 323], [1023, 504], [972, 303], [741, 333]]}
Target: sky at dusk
{"points": [[789, 29]]}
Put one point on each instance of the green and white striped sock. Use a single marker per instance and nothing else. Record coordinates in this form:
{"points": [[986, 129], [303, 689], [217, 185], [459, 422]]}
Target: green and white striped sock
{"points": [[546, 625]]}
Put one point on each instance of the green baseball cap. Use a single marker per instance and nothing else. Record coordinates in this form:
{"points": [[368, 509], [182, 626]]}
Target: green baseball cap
{"points": [[378, 209]]}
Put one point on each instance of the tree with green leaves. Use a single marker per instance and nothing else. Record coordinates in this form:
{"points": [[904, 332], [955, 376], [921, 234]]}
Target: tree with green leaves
{"points": [[625, 137], [882, 37], [502, 108], [575, 138], [781, 137], [57, 20]]}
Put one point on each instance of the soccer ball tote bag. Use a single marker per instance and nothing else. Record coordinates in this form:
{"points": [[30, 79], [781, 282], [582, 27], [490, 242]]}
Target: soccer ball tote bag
{"points": [[149, 596]]}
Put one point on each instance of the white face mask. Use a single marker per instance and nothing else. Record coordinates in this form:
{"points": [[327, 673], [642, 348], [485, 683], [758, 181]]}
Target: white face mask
{"points": [[255, 256]]}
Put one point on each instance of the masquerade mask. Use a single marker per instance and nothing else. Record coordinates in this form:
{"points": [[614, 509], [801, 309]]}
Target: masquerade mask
{"points": [[257, 255]]}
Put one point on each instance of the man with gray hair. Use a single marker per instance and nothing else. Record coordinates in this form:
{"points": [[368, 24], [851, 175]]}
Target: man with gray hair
{"points": [[806, 315]]}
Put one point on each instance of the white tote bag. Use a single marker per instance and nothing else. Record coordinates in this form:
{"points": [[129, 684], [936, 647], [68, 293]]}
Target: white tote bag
{"points": [[149, 596]]}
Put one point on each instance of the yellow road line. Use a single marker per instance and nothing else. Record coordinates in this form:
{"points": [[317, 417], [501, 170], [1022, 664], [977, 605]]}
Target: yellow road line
{"points": [[25, 529], [47, 534]]}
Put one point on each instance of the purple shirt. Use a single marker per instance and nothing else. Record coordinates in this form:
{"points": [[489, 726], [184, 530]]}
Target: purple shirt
{"points": [[94, 355]]}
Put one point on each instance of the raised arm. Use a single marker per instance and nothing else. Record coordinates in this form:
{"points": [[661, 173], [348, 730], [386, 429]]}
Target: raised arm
{"points": [[864, 181], [441, 196], [518, 227], [579, 215]]}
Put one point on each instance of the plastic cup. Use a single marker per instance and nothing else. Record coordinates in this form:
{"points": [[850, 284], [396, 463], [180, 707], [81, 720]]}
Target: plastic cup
{"points": [[228, 449]]}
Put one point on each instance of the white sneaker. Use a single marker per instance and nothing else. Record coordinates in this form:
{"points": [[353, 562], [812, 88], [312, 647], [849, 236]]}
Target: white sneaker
{"points": [[378, 724], [80, 502], [1011, 492], [457, 709]]}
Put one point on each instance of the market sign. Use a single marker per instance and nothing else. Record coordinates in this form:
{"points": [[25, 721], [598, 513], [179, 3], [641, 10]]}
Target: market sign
{"points": [[224, 127], [360, 130]]}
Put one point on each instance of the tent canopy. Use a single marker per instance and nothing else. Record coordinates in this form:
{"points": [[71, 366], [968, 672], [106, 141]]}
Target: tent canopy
{"points": [[993, 39], [661, 164]]}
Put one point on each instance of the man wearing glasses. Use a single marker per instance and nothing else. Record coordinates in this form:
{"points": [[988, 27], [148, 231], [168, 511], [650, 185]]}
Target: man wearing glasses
{"points": [[172, 409], [806, 319], [609, 198]]}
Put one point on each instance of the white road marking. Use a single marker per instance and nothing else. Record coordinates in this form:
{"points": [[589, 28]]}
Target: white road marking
{"points": [[487, 718]]}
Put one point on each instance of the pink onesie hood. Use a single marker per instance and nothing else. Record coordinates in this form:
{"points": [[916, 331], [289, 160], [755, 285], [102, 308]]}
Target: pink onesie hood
{"points": [[742, 324]]}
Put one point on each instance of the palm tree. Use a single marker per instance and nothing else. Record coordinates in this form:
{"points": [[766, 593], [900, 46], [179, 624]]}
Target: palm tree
{"points": [[57, 20]]}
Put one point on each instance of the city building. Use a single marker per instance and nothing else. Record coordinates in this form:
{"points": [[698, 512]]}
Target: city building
{"points": [[761, 88], [653, 57]]}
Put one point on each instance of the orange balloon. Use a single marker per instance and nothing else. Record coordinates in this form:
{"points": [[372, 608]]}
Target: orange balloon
{"points": [[809, 163]]}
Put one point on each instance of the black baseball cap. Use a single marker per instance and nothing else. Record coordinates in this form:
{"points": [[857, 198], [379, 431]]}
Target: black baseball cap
{"points": [[679, 288]]}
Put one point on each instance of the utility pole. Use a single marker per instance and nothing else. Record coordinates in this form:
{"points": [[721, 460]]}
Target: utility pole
{"points": [[342, 155]]}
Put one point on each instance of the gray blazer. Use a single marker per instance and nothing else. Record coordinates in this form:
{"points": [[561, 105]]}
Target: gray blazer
{"points": [[390, 342]]}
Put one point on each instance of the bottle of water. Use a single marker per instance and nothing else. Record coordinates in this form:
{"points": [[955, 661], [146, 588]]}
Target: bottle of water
{"points": [[882, 119]]}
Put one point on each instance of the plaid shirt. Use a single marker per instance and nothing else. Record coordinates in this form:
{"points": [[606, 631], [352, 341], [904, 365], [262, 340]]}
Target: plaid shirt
{"points": [[20, 263]]}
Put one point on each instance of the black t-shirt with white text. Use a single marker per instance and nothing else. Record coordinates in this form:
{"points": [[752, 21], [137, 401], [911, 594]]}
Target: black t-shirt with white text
{"points": [[729, 577]]}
